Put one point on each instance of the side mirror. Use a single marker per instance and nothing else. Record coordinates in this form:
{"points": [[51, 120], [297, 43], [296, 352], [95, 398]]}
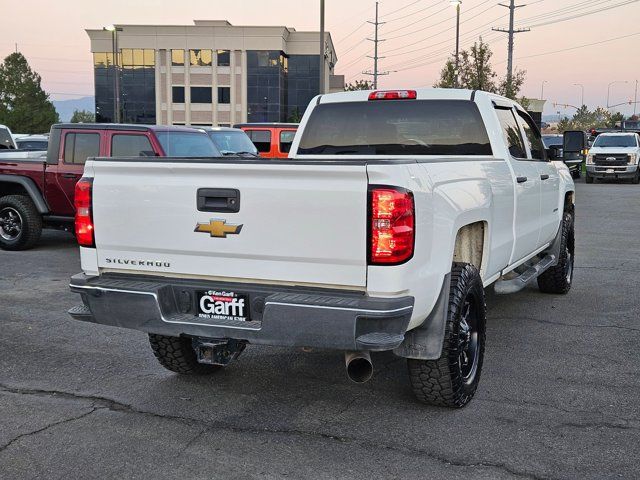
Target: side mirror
{"points": [[575, 143], [552, 153]]}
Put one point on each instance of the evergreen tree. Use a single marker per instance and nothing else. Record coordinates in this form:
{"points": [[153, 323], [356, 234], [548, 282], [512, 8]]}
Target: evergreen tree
{"points": [[24, 106], [359, 85], [83, 116], [476, 73]]}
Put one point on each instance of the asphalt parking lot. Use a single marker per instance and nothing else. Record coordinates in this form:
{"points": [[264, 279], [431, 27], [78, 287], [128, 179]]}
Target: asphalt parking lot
{"points": [[558, 397]]}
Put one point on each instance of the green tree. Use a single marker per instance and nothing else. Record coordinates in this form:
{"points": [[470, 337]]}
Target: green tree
{"points": [[615, 118], [564, 124], [447, 75], [359, 85], [476, 73], [295, 116], [83, 116], [24, 105]]}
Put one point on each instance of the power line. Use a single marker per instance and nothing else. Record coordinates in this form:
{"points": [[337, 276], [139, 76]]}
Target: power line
{"points": [[435, 4], [584, 14], [579, 46]]}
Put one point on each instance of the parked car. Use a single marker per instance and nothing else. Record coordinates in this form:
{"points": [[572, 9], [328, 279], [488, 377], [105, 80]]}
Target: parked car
{"points": [[273, 140], [6, 139], [614, 156], [37, 193], [32, 143], [231, 141], [554, 143], [380, 233]]}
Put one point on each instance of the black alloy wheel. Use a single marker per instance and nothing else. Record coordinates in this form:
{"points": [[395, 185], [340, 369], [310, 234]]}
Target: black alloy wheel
{"points": [[10, 224]]}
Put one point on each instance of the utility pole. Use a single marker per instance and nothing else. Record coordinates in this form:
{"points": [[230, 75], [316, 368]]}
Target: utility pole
{"points": [[635, 99], [322, 48], [582, 95], [512, 31], [375, 57]]}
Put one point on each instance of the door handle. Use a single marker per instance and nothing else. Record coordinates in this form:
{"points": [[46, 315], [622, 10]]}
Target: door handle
{"points": [[222, 200], [70, 175], [544, 177], [521, 179]]}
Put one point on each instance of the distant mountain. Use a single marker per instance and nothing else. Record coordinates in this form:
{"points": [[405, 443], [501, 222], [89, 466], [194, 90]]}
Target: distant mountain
{"points": [[552, 118], [65, 108]]}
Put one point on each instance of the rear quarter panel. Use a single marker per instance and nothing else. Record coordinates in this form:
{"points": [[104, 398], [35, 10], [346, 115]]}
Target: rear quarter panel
{"points": [[448, 194]]}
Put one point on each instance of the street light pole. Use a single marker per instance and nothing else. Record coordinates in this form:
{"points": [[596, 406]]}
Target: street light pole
{"points": [[457, 4], [582, 97], [609, 89], [116, 70], [542, 90], [322, 47]]}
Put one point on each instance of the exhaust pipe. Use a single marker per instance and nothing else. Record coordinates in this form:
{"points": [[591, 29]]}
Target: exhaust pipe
{"points": [[359, 366]]}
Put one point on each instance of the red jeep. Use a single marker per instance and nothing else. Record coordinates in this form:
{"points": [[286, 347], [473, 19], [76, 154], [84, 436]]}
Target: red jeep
{"points": [[38, 192]]}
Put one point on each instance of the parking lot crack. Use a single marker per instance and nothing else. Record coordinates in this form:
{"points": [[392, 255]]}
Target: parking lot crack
{"points": [[100, 402], [47, 427], [563, 324]]}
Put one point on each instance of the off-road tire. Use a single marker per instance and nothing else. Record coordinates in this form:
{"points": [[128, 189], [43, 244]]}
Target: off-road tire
{"points": [[588, 178], [442, 382], [636, 178], [30, 220], [177, 354], [576, 174], [558, 278]]}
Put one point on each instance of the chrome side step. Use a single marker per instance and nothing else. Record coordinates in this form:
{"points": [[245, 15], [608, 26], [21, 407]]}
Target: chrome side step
{"points": [[503, 287]]}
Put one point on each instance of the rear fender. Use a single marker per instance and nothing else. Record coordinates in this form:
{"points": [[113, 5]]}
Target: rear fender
{"points": [[12, 184]]}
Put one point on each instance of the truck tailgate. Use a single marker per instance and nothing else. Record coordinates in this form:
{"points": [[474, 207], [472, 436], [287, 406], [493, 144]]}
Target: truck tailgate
{"points": [[299, 223]]}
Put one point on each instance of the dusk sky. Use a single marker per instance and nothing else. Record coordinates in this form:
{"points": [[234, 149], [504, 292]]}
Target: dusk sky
{"points": [[419, 35]]}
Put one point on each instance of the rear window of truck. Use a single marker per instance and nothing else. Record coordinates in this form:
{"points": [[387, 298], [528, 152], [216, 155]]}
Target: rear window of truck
{"points": [[396, 127]]}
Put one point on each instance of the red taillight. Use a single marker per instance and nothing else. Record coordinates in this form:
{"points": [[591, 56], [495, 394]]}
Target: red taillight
{"points": [[392, 224], [84, 214], [393, 95]]}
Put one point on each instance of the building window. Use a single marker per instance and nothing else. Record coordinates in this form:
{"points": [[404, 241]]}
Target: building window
{"points": [[149, 57], [80, 146], [224, 94], [137, 57], [177, 94], [200, 58], [103, 59], [200, 94], [224, 124], [224, 58], [177, 58]]}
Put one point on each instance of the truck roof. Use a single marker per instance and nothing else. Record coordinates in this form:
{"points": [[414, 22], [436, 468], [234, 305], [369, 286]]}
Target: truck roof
{"points": [[123, 126], [617, 134], [424, 93]]}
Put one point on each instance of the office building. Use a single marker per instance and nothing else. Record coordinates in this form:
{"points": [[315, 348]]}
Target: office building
{"points": [[209, 73]]}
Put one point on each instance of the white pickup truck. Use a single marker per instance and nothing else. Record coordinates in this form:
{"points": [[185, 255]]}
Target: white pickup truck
{"points": [[614, 155], [394, 212]]}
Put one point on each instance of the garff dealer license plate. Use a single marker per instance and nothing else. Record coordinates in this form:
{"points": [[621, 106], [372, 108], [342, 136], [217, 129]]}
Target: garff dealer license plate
{"points": [[223, 305]]}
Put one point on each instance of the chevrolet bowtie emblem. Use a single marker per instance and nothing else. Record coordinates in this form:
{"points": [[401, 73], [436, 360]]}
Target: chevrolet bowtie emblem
{"points": [[218, 228]]}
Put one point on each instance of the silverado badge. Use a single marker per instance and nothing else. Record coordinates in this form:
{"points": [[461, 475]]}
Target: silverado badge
{"points": [[218, 228]]}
